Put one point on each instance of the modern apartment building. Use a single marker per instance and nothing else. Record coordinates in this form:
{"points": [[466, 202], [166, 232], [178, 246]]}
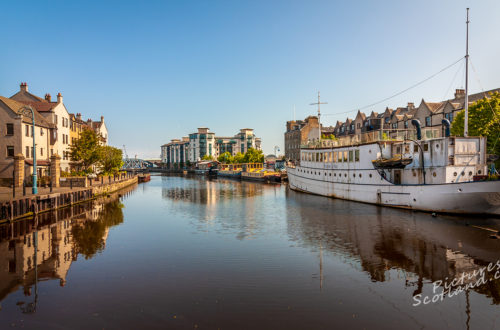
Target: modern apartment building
{"points": [[204, 142]]}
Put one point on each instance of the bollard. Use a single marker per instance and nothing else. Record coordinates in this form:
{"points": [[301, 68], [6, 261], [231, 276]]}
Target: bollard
{"points": [[24, 188], [70, 184], [50, 184]]}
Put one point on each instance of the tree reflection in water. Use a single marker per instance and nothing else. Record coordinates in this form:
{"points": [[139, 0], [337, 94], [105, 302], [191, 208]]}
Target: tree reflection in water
{"points": [[90, 236]]}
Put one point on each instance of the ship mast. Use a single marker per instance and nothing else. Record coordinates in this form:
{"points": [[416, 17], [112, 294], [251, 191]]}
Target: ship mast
{"points": [[466, 119], [319, 115]]}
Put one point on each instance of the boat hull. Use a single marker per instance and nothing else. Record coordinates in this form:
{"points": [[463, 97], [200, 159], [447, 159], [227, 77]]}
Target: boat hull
{"points": [[230, 175], [482, 197]]}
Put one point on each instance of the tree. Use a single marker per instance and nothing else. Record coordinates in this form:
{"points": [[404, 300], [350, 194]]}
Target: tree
{"points": [[484, 120], [254, 156], [239, 158], [226, 158], [111, 159], [86, 150], [207, 157]]}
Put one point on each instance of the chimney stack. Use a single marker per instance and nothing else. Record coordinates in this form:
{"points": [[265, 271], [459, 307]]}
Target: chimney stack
{"points": [[102, 119], [47, 97], [79, 116], [59, 98], [459, 93], [411, 105], [24, 87]]}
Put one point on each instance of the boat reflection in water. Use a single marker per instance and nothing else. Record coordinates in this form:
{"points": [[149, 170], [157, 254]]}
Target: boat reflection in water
{"points": [[415, 246], [44, 247]]}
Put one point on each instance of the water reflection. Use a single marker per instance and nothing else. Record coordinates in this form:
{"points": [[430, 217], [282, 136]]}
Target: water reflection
{"points": [[420, 248], [225, 202], [44, 247]]}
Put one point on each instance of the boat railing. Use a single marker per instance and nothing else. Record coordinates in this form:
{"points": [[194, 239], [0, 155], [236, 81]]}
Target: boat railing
{"points": [[375, 136]]}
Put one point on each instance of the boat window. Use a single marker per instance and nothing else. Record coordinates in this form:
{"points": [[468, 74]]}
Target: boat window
{"points": [[345, 156], [351, 155], [426, 147], [398, 149], [415, 148], [335, 157], [356, 155], [407, 149]]}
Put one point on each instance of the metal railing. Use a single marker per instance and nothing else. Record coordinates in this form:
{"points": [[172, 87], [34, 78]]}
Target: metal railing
{"points": [[375, 136]]}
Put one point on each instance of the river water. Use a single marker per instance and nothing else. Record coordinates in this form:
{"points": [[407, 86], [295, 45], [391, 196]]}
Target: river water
{"points": [[188, 252]]}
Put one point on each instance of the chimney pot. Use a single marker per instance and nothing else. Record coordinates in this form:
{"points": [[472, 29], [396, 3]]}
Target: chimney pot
{"points": [[459, 92], [102, 119], [59, 98], [47, 97], [24, 87]]}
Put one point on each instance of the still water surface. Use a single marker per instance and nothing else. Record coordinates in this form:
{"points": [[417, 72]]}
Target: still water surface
{"points": [[189, 253]]}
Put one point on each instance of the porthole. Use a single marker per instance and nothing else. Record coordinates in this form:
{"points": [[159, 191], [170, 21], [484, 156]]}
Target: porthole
{"points": [[454, 173], [478, 171], [437, 145], [345, 175], [334, 174], [434, 174], [462, 174], [470, 173], [360, 175], [370, 175], [354, 175], [330, 174]]}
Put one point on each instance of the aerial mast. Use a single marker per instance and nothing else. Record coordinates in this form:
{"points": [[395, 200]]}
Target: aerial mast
{"points": [[466, 119], [319, 114]]}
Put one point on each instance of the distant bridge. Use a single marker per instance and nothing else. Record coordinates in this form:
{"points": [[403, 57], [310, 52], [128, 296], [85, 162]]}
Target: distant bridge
{"points": [[136, 164]]}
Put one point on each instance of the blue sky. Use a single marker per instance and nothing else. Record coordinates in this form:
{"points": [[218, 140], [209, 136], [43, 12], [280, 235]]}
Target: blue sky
{"points": [[157, 70]]}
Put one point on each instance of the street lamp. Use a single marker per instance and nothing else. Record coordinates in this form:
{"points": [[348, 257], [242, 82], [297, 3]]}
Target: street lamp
{"points": [[27, 111]]}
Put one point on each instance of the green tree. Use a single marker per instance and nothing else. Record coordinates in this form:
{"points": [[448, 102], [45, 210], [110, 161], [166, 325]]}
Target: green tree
{"points": [[86, 150], [226, 158], [239, 158], [484, 120], [254, 156], [207, 157], [111, 159]]}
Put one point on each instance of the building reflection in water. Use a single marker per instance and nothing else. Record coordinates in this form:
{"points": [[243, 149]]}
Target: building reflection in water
{"points": [[420, 248], [235, 204], [44, 247]]}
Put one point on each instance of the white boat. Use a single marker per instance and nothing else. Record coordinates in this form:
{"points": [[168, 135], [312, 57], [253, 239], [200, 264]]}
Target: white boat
{"points": [[453, 167], [441, 174]]}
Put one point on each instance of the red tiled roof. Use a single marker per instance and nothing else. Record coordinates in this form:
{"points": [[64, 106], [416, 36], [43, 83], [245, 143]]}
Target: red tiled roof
{"points": [[42, 106]]}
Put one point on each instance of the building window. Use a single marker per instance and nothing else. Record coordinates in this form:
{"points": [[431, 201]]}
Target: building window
{"points": [[406, 123], [27, 152], [428, 121], [27, 130], [41, 151], [41, 131], [10, 151], [10, 129]]}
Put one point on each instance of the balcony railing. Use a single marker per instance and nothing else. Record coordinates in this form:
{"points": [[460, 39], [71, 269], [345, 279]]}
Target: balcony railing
{"points": [[375, 136]]}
